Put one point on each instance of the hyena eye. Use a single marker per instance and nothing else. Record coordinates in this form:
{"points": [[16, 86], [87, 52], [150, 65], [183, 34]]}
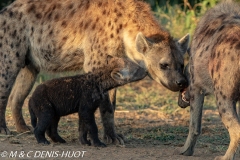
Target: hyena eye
{"points": [[164, 66]]}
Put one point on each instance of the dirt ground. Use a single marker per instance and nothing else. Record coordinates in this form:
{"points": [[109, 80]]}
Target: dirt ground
{"points": [[150, 134]]}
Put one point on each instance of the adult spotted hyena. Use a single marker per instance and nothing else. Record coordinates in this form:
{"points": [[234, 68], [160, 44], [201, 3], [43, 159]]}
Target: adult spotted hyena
{"points": [[215, 68], [62, 35]]}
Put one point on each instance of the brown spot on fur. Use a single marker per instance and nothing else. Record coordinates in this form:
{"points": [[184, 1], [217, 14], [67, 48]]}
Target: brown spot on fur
{"points": [[81, 25], [104, 12], [221, 28], [50, 33], [87, 5], [105, 49], [17, 54], [65, 38], [218, 66], [210, 32], [70, 6], [32, 8], [111, 36], [56, 17], [94, 26], [99, 4], [38, 15], [64, 24], [224, 97], [72, 13], [237, 46], [20, 16], [86, 25], [109, 23]]}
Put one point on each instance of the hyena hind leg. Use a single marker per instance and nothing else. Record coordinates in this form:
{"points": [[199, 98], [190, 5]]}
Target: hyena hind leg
{"points": [[230, 119], [23, 85], [9, 73]]}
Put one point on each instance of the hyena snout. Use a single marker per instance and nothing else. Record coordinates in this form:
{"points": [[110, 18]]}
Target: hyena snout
{"points": [[182, 83]]}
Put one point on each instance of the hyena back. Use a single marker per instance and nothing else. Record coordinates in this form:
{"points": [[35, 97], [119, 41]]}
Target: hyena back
{"points": [[215, 68], [62, 35]]}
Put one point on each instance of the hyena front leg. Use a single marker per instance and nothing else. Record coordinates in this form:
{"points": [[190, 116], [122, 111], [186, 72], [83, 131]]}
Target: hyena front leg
{"points": [[107, 109], [20, 91], [227, 112], [196, 105]]}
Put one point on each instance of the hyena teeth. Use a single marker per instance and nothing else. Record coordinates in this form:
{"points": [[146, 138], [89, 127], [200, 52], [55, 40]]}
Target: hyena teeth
{"points": [[183, 97]]}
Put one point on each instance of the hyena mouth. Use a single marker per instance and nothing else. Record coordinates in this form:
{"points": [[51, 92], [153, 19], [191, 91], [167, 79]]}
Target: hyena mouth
{"points": [[184, 96]]}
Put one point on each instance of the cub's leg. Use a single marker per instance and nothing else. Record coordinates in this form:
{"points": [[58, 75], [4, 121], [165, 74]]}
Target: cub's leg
{"points": [[83, 132], [45, 117], [52, 130], [23, 85], [87, 124], [110, 134]]}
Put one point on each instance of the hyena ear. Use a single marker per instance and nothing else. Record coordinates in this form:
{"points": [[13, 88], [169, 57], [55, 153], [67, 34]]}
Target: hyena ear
{"points": [[109, 58], [184, 43], [142, 44]]}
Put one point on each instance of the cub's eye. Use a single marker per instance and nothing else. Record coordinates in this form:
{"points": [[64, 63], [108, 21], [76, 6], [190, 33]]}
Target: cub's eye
{"points": [[164, 66]]}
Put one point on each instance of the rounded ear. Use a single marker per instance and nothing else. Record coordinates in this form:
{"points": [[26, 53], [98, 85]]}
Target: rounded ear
{"points": [[109, 57], [184, 43], [142, 44], [116, 75]]}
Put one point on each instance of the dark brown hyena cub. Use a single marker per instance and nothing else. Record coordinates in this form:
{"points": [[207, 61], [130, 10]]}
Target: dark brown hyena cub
{"points": [[82, 94]]}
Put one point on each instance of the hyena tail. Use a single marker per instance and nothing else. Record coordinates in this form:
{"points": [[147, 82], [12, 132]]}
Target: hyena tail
{"points": [[32, 114]]}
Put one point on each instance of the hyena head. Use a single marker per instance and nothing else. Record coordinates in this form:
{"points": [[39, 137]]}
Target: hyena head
{"points": [[125, 71], [164, 59]]}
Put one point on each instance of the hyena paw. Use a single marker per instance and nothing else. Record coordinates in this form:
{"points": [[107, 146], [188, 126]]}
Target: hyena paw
{"points": [[222, 158], [183, 151], [45, 142], [114, 139], [84, 141], [5, 130], [99, 144], [23, 128]]}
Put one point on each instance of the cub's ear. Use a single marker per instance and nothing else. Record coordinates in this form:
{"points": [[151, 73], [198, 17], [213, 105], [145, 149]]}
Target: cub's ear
{"points": [[109, 57], [117, 75], [142, 43], [183, 42]]}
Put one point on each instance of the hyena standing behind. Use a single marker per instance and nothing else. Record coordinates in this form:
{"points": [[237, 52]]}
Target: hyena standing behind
{"points": [[62, 35], [215, 68]]}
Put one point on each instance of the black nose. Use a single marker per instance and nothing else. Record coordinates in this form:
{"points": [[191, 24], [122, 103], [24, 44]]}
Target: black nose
{"points": [[181, 83]]}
